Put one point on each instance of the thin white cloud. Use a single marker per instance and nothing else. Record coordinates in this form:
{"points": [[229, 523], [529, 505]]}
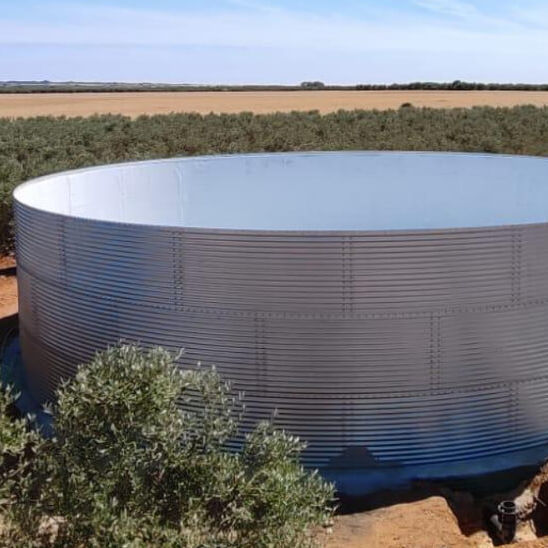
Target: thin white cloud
{"points": [[454, 8], [254, 5], [534, 17], [257, 41], [85, 24]]}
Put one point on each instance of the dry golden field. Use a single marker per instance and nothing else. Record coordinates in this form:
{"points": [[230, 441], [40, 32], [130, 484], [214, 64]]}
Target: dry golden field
{"points": [[136, 103]]}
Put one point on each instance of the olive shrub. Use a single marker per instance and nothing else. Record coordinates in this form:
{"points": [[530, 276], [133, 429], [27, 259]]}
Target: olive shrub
{"points": [[139, 458], [19, 446]]}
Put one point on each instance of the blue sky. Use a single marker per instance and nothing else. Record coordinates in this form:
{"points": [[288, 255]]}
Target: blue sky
{"points": [[274, 41]]}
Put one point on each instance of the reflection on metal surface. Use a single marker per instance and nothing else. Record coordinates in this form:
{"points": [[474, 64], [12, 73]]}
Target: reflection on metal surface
{"points": [[428, 343]]}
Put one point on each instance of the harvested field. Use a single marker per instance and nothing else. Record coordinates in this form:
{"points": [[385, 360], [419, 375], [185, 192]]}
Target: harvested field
{"points": [[136, 103]]}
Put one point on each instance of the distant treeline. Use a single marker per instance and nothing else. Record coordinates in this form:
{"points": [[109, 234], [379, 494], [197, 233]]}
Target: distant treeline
{"points": [[97, 87], [35, 146]]}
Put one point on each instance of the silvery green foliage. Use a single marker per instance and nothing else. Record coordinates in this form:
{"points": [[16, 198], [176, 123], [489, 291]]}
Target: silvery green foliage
{"points": [[129, 467], [14, 435], [18, 446]]}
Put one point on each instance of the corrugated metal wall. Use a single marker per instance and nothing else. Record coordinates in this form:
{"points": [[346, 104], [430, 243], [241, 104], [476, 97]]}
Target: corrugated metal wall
{"points": [[377, 348]]}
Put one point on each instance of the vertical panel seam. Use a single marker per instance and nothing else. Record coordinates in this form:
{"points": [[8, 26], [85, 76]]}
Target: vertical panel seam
{"points": [[260, 351], [63, 246], [435, 351], [516, 266], [347, 276], [177, 242]]}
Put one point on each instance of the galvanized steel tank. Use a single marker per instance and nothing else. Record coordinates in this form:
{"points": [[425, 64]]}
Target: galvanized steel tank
{"points": [[392, 307]]}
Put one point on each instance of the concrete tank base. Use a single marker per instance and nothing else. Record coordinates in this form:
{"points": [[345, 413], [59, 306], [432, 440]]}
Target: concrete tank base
{"points": [[362, 481], [391, 308]]}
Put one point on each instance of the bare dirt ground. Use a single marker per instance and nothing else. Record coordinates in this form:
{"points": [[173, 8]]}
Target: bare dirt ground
{"points": [[423, 524], [427, 523], [7, 261], [136, 103], [8, 287], [435, 516], [8, 295]]}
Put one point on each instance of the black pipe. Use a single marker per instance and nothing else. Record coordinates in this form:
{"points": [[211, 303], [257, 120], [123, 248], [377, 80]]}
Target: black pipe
{"points": [[504, 521]]}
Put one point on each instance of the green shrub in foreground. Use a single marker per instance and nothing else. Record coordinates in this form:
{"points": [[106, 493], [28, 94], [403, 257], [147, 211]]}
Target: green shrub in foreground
{"points": [[128, 467], [18, 448]]}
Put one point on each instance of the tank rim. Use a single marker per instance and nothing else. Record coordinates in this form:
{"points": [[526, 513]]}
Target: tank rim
{"points": [[270, 232]]}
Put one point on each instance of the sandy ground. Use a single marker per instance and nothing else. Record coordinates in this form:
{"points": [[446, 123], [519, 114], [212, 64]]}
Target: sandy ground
{"points": [[8, 296], [435, 516], [427, 523], [8, 287], [135, 103], [7, 262]]}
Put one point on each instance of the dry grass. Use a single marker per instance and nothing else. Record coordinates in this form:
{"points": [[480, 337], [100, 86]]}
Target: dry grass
{"points": [[136, 103]]}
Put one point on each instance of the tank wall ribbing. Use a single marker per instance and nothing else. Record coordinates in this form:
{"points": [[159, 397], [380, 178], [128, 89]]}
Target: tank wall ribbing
{"points": [[378, 348]]}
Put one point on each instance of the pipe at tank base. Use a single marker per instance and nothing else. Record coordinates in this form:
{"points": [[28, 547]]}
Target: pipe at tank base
{"points": [[504, 521]]}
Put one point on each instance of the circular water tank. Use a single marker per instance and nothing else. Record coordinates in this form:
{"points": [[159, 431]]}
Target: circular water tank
{"points": [[391, 307]]}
